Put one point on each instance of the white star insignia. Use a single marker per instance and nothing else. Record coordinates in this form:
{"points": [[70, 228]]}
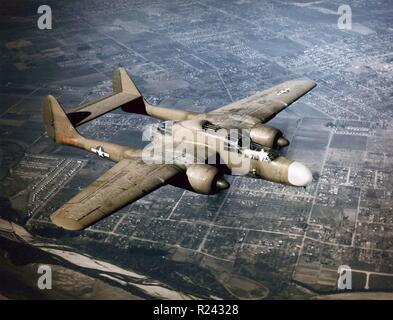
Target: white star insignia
{"points": [[100, 152]]}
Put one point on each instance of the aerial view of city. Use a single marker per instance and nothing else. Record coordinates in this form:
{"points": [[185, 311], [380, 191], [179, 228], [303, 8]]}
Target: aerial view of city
{"points": [[254, 240]]}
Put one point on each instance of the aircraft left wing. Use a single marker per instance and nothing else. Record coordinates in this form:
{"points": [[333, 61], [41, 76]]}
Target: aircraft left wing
{"points": [[261, 106], [126, 182]]}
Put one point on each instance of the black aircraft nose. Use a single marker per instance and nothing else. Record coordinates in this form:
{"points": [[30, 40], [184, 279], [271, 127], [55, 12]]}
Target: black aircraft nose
{"points": [[222, 184]]}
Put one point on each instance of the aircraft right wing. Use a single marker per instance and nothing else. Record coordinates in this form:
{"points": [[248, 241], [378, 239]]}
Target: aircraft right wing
{"points": [[262, 106], [126, 182]]}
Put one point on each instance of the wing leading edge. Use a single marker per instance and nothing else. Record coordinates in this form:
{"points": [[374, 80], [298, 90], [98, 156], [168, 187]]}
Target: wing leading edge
{"points": [[126, 182]]}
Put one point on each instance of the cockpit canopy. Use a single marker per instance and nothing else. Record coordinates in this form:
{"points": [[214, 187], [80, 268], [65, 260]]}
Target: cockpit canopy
{"points": [[207, 125], [244, 145], [235, 141], [165, 127]]}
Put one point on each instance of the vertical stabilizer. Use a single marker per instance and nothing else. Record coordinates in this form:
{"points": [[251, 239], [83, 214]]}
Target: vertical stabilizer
{"points": [[57, 124], [123, 83]]}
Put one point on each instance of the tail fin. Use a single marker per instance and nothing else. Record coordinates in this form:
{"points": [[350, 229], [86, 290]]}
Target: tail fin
{"points": [[122, 83], [125, 93], [57, 124]]}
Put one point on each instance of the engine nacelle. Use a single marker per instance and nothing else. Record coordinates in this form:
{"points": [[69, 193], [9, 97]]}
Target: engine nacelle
{"points": [[205, 179], [268, 136]]}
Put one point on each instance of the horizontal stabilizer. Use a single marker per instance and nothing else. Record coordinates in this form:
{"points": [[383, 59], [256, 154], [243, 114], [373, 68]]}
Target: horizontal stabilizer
{"points": [[125, 94]]}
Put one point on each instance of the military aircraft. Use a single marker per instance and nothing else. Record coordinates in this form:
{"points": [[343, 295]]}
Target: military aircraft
{"points": [[134, 176]]}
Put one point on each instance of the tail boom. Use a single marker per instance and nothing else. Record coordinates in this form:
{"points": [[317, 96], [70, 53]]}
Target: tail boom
{"points": [[126, 96], [61, 130]]}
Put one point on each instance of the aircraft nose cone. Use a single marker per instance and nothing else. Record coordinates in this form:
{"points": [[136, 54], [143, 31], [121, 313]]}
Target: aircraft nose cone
{"points": [[299, 175]]}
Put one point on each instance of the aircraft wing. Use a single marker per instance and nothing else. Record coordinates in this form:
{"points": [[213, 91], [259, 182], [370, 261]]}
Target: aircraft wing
{"points": [[263, 105], [126, 182]]}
